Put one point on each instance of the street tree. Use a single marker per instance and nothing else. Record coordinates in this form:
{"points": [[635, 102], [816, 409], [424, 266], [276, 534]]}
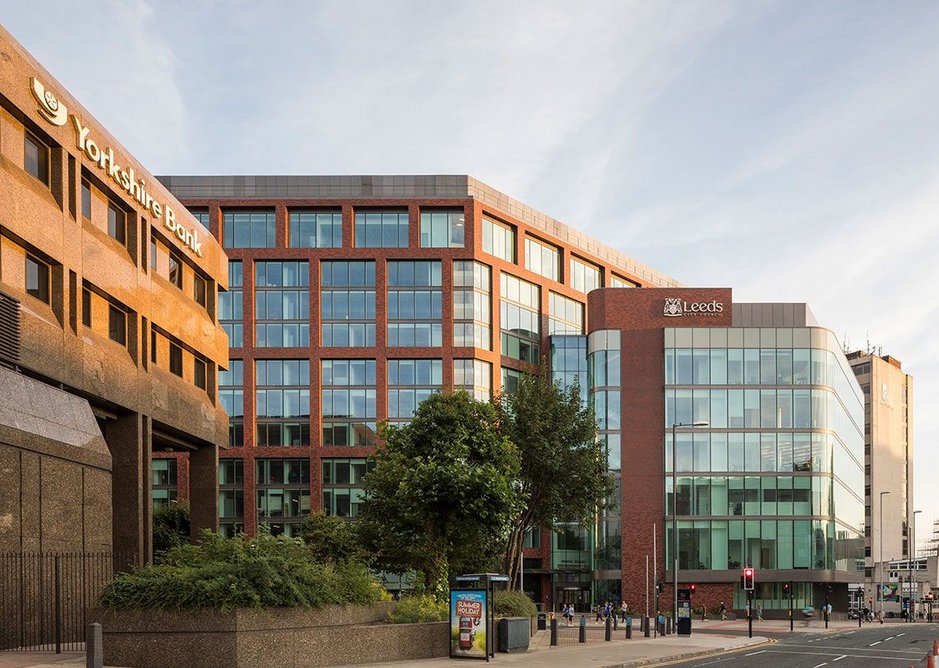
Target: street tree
{"points": [[563, 477], [331, 539], [441, 497]]}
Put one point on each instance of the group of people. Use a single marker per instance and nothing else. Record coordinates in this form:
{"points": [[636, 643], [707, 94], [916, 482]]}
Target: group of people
{"points": [[603, 612]]}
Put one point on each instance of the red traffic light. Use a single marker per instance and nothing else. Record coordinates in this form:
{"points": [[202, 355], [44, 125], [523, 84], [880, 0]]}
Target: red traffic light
{"points": [[748, 578], [748, 572], [693, 587]]}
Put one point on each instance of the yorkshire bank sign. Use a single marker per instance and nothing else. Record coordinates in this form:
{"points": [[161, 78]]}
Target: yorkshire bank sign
{"points": [[126, 179]]}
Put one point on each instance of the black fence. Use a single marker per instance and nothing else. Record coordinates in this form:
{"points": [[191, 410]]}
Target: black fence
{"points": [[46, 598]]}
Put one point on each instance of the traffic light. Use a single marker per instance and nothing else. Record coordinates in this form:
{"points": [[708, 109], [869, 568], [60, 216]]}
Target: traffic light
{"points": [[786, 588], [659, 587], [692, 588], [748, 577]]}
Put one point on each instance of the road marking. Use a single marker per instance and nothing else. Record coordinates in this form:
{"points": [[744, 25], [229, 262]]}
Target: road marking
{"points": [[820, 665], [755, 653], [850, 632], [839, 658], [890, 638], [874, 643], [900, 634]]}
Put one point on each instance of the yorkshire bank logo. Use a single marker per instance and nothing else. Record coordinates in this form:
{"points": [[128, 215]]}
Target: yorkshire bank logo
{"points": [[49, 106], [124, 177], [675, 307]]}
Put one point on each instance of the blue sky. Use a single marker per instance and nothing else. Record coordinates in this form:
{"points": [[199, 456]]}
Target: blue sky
{"points": [[789, 150]]}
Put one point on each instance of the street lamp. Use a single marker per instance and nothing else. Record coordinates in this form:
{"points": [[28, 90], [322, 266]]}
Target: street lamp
{"points": [[910, 556], [675, 425], [880, 587]]}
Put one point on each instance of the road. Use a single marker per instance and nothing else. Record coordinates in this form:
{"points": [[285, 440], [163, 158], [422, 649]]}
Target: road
{"points": [[896, 645]]}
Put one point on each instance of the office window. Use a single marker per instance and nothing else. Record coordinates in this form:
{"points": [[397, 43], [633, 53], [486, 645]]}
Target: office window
{"points": [[164, 488], [36, 158], [176, 271], [37, 279], [381, 229], [86, 199], [342, 485], [117, 223], [347, 303], [442, 229], [231, 496], [198, 370], [201, 215], [543, 259], [117, 325], [618, 282], [565, 316], [315, 229], [472, 304], [510, 379], [200, 291], [176, 360], [520, 303], [409, 383], [231, 397], [474, 376], [86, 307], [348, 402], [283, 494], [283, 402], [568, 362], [585, 276], [249, 229], [282, 304], [230, 311], [414, 303], [499, 240]]}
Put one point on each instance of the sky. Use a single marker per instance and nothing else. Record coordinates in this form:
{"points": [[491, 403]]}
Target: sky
{"points": [[788, 150]]}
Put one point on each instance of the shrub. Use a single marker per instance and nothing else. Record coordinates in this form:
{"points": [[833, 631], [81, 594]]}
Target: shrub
{"points": [[331, 539], [514, 604], [419, 608], [170, 527], [226, 573]]}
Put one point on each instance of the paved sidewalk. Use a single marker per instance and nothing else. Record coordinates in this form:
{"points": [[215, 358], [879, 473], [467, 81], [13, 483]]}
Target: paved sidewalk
{"points": [[614, 654]]}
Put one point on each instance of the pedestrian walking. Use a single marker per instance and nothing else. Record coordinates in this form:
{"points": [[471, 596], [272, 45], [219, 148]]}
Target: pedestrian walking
{"points": [[623, 609], [759, 612], [723, 611]]}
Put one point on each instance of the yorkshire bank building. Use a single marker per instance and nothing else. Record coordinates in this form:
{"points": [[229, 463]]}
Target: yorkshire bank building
{"points": [[234, 341]]}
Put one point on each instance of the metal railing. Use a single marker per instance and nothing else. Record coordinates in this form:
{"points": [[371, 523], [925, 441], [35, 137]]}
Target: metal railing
{"points": [[46, 598]]}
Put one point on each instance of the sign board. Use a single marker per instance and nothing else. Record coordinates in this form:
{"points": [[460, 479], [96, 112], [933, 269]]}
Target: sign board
{"points": [[469, 624]]}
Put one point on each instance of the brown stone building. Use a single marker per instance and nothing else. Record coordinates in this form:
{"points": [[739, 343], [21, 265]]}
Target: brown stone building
{"points": [[108, 329]]}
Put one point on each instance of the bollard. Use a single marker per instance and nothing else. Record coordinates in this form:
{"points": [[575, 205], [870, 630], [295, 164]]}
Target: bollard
{"points": [[608, 635], [615, 622], [668, 626], [554, 631], [582, 636], [629, 628], [94, 649], [645, 627]]}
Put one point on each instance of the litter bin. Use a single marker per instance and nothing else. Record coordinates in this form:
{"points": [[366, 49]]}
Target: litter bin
{"points": [[542, 621]]}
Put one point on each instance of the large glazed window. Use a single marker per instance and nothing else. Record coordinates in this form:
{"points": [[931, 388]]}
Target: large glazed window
{"points": [[585, 276], [520, 310], [443, 228], [472, 305], [348, 402], [381, 229], [543, 259], [347, 303], [231, 496], [282, 402], [282, 304], [415, 303], [230, 311], [499, 239], [342, 485], [565, 316], [231, 397], [283, 488], [474, 376], [315, 229], [249, 229], [409, 383], [164, 487]]}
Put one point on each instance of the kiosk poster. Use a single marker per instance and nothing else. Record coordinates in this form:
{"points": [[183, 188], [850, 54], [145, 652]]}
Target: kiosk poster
{"points": [[468, 624]]}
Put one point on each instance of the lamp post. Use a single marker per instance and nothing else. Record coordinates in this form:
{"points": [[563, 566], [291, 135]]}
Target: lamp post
{"points": [[675, 425], [910, 556], [880, 586]]}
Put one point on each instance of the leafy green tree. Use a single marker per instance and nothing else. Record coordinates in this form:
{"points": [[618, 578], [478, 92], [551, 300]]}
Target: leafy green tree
{"points": [[171, 524], [331, 539], [563, 477], [442, 495]]}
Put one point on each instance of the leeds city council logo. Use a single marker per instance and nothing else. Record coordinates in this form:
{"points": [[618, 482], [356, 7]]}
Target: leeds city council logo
{"points": [[49, 106], [673, 307]]}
